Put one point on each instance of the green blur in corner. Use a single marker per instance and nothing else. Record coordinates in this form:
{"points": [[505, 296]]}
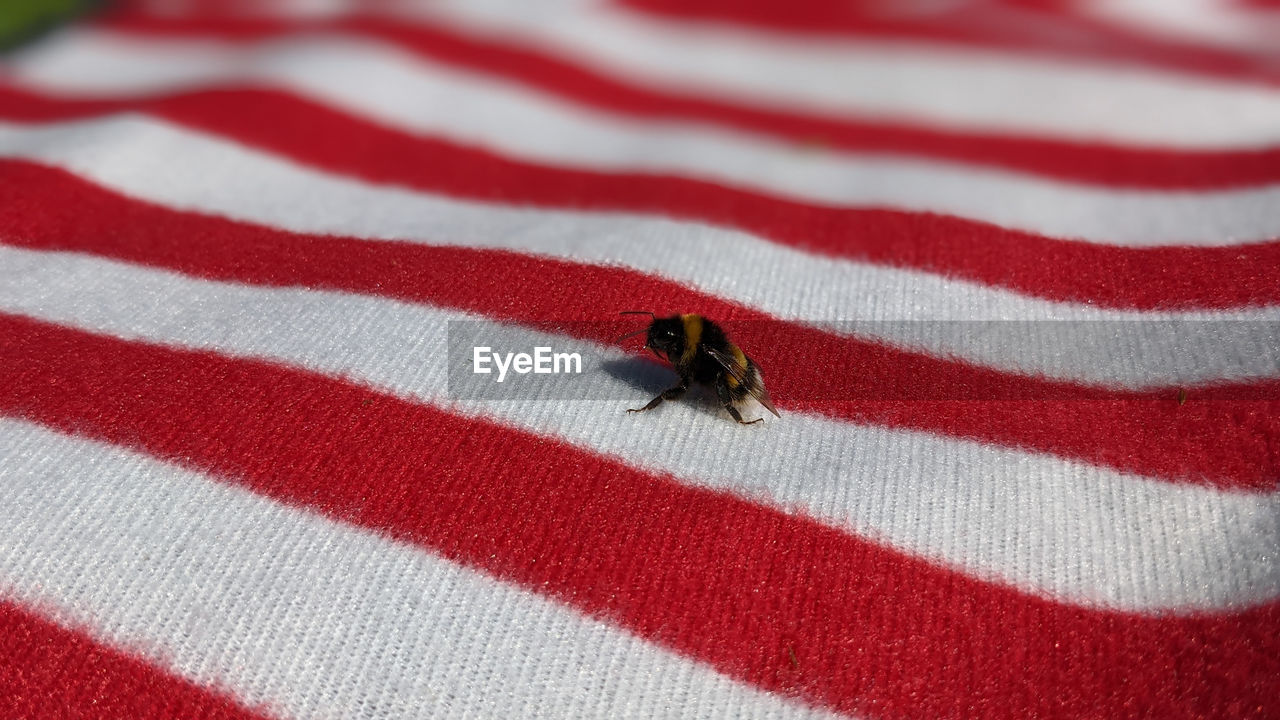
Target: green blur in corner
{"points": [[24, 20]]}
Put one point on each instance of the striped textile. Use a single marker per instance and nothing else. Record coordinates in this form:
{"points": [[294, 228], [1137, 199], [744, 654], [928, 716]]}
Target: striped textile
{"points": [[1011, 270]]}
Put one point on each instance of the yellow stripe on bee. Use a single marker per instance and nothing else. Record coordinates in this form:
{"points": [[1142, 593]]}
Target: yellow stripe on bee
{"points": [[692, 336], [740, 360]]}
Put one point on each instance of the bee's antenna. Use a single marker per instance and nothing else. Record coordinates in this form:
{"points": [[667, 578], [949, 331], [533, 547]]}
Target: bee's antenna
{"points": [[642, 330]]}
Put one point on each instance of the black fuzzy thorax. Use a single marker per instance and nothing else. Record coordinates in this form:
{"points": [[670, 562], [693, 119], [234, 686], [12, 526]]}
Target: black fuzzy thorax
{"points": [[704, 368], [669, 336]]}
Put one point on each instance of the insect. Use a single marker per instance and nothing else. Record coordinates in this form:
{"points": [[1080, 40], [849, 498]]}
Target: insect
{"points": [[702, 353]]}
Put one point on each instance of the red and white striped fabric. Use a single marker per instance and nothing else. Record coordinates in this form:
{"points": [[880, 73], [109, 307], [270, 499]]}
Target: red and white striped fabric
{"points": [[235, 483]]}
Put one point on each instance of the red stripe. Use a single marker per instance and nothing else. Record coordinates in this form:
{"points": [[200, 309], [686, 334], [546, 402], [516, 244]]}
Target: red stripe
{"points": [[47, 671], [720, 579], [1029, 27], [1227, 436], [1134, 278], [1097, 163]]}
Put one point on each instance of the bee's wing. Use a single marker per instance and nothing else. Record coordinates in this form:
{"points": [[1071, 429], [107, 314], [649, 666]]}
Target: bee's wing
{"points": [[739, 373]]}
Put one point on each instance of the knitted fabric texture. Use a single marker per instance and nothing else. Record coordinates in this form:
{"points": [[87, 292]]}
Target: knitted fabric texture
{"points": [[1011, 272]]}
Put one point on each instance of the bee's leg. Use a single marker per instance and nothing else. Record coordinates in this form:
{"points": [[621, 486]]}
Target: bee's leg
{"points": [[670, 393], [726, 399]]}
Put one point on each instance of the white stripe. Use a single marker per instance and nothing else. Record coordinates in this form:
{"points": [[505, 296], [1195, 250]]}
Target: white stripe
{"points": [[154, 161], [1066, 530], [307, 616], [900, 80], [1229, 25], [390, 86]]}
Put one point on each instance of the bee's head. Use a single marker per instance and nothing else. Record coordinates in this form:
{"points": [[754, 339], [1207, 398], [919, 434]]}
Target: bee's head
{"points": [[666, 336]]}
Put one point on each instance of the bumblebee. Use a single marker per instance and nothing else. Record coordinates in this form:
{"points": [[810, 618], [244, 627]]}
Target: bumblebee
{"points": [[702, 353]]}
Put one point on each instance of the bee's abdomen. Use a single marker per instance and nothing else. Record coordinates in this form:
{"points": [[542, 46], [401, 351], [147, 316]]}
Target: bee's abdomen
{"points": [[741, 359]]}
